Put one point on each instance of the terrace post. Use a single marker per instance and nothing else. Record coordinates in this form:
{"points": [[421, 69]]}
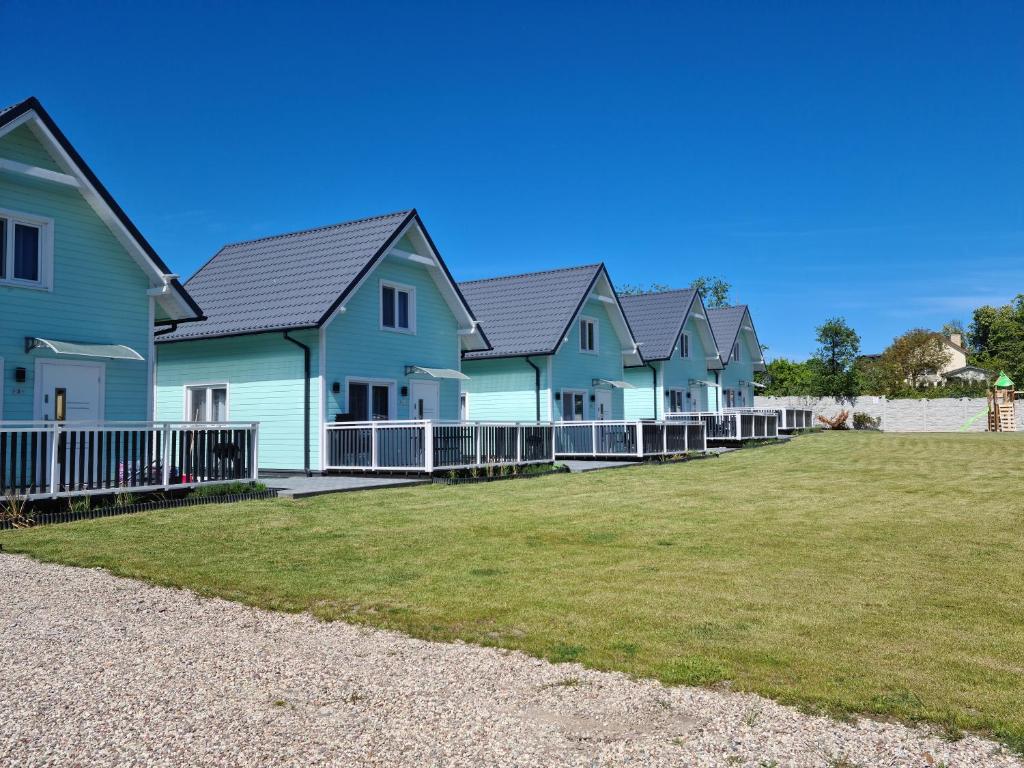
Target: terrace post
{"points": [[519, 443], [639, 440], [593, 438], [165, 456], [477, 433], [256, 453], [373, 445], [428, 446], [54, 447], [664, 436], [686, 438]]}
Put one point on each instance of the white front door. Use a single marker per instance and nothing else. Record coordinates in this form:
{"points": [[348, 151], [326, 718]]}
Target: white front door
{"points": [[69, 391], [602, 404], [424, 399]]}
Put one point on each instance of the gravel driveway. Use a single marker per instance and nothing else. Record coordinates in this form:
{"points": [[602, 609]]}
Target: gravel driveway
{"points": [[99, 671]]}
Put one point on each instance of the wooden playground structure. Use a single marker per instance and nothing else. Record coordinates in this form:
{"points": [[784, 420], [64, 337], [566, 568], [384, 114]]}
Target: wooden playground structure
{"points": [[1002, 416]]}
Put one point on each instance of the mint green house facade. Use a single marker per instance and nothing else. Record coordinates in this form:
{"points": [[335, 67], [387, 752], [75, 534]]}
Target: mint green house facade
{"points": [[358, 321], [680, 354], [559, 344], [740, 354], [81, 289]]}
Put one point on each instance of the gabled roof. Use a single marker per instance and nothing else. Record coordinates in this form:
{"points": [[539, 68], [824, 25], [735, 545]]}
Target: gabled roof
{"points": [[184, 309], [298, 280], [727, 322], [531, 314], [657, 319]]}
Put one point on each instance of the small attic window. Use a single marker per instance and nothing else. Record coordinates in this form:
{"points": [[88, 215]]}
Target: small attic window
{"points": [[684, 345], [397, 307], [588, 334], [26, 250], [735, 352]]}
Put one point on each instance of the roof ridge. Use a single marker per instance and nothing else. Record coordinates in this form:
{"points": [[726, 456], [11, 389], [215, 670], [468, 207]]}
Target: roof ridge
{"points": [[656, 293], [322, 228], [531, 274]]}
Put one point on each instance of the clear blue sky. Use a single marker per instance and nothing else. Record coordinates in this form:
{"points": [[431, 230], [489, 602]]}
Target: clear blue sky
{"points": [[865, 160]]}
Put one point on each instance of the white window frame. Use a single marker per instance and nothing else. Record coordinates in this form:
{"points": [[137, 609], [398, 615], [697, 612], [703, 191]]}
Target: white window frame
{"points": [[682, 399], [209, 400], [592, 321], [45, 227], [684, 345], [735, 357], [572, 393], [396, 287], [391, 384], [463, 401]]}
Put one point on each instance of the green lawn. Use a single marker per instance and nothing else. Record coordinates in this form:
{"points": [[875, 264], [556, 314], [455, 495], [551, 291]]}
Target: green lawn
{"points": [[844, 572]]}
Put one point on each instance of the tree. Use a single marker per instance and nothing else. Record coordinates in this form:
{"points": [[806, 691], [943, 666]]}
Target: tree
{"points": [[786, 377], [996, 338], [915, 354], [954, 326], [832, 364], [633, 289], [873, 377], [714, 290]]}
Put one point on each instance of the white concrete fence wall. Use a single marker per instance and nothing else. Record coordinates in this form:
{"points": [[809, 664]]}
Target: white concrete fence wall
{"points": [[949, 414]]}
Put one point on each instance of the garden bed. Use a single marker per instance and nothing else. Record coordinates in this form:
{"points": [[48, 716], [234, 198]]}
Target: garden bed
{"points": [[466, 477], [48, 512]]}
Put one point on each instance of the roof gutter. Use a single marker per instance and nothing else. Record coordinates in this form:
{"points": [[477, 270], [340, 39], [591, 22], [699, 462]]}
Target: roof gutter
{"points": [[536, 382], [305, 414], [654, 387]]}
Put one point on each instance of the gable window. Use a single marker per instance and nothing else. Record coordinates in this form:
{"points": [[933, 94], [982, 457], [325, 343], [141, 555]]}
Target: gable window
{"points": [[736, 352], [25, 250], [588, 334], [573, 405], [398, 307], [206, 403], [684, 345]]}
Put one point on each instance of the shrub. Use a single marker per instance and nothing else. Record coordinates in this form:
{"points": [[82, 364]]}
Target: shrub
{"points": [[836, 422], [14, 509], [236, 488], [866, 421]]}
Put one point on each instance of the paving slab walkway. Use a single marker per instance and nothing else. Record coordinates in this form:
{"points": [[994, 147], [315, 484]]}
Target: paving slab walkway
{"points": [[103, 671], [300, 486]]}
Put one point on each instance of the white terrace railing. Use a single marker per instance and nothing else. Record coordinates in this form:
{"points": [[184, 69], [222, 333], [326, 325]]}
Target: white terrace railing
{"points": [[733, 424], [426, 446], [54, 459], [788, 418], [629, 439]]}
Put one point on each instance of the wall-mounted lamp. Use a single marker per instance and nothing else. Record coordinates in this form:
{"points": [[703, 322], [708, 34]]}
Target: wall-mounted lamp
{"points": [[558, 395], [405, 391], [19, 375], [592, 398], [336, 387]]}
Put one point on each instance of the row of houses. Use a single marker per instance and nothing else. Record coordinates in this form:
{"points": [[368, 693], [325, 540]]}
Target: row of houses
{"points": [[347, 344]]}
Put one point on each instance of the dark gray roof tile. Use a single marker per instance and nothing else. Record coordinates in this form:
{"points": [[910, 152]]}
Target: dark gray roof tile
{"points": [[657, 319], [527, 314], [725, 324], [285, 281]]}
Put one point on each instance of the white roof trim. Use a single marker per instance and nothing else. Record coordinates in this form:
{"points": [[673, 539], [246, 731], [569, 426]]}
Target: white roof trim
{"points": [[170, 301]]}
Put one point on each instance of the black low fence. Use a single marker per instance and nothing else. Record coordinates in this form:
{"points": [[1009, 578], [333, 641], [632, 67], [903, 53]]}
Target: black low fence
{"points": [[32, 519]]}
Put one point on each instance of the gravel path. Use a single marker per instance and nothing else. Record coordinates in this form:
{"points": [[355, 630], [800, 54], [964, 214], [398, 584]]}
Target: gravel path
{"points": [[103, 671]]}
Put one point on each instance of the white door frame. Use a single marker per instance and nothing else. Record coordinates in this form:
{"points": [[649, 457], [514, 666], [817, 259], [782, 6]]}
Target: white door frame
{"points": [[43, 362]]}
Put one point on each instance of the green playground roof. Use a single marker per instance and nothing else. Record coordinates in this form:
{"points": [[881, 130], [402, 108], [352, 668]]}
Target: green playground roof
{"points": [[1003, 380]]}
